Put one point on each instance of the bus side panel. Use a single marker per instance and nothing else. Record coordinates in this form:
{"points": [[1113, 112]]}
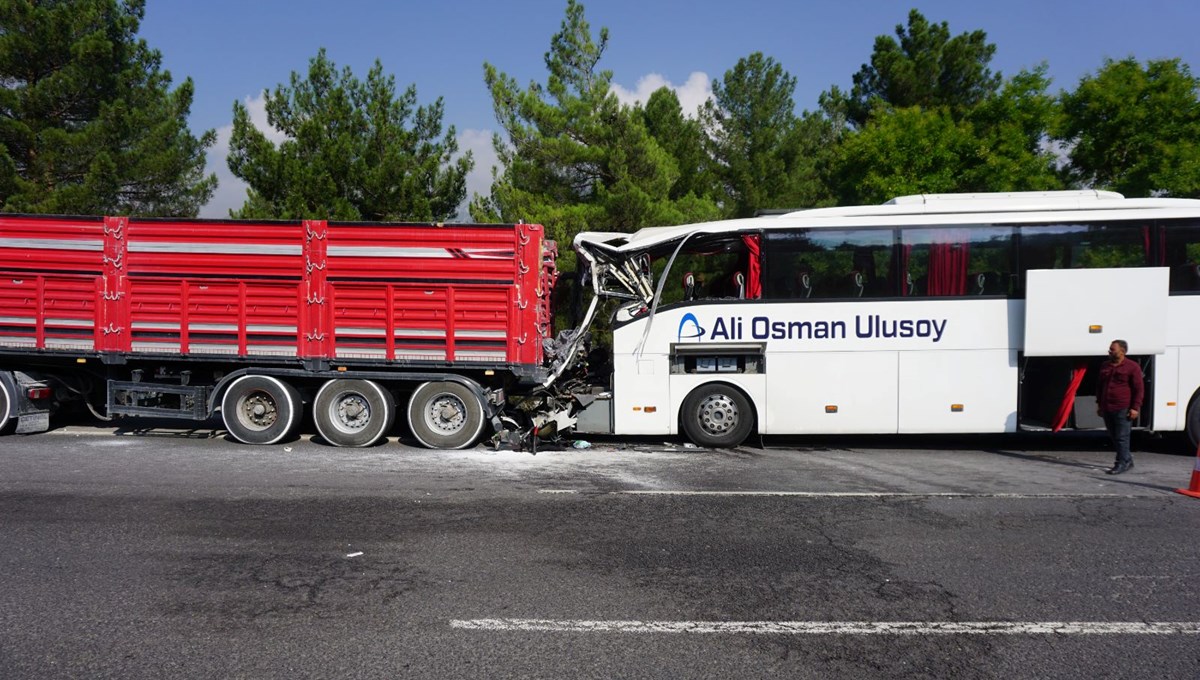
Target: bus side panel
{"points": [[641, 381], [958, 391], [1183, 331], [1166, 392], [832, 392]]}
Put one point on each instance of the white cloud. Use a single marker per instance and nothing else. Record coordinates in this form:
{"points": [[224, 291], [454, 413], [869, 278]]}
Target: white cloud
{"points": [[231, 191], [692, 94], [479, 180]]}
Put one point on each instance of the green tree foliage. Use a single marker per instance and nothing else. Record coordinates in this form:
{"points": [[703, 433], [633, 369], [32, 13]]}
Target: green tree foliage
{"points": [[354, 150], [1136, 129], [997, 146], [927, 115], [761, 153], [88, 120], [682, 138], [922, 66], [572, 157]]}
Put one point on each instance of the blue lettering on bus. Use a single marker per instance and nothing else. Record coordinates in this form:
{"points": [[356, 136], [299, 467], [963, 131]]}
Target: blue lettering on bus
{"points": [[868, 326]]}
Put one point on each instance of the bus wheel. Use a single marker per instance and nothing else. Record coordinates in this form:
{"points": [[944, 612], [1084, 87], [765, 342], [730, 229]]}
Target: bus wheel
{"points": [[6, 404], [445, 415], [353, 412], [717, 415], [259, 409], [1193, 423]]}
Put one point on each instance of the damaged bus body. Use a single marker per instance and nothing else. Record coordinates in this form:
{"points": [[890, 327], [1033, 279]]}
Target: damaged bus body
{"points": [[929, 314]]}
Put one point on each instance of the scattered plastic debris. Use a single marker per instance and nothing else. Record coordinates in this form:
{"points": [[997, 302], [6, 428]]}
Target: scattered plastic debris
{"points": [[288, 449], [581, 444], [353, 554]]}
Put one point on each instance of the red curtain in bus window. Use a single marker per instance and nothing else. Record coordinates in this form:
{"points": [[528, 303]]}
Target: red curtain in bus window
{"points": [[1146, 247], [1068, 402], [948, 261], [754, 268]]}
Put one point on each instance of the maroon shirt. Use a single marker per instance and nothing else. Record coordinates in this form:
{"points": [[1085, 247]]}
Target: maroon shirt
{"points": [[1120, 386]]}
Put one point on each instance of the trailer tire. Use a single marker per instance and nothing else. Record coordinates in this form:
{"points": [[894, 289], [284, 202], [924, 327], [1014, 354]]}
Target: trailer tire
{"points": [[6, 405], [353, 413], [1193, 423], [717, 415], [259, 409], [445, 415]]}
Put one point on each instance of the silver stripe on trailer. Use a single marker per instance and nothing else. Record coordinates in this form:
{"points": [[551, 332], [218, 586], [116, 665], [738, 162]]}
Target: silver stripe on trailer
{"points": [[62, 343], [421, 354], [212, 349], [479, 356], [213, 248], [52, 243], [362, 354], [418, 252], [377, 251], [155, 346]]}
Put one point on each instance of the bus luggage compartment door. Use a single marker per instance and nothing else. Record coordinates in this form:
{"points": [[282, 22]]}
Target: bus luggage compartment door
{"points": [[1078, 312]]}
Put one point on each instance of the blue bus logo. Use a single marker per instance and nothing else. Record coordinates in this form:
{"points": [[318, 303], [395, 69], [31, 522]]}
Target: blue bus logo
{"points": [[689, 328]]}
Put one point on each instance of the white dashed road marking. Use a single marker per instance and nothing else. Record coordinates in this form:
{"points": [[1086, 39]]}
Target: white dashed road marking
{"points": [[839, 627]]}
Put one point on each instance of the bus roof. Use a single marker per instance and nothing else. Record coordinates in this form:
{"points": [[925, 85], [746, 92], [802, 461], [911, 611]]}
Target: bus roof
{"points": [[923, 210]]}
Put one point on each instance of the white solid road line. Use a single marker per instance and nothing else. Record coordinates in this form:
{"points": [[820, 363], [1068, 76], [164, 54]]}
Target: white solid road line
{"points": [[840, 627], [840, 494]]}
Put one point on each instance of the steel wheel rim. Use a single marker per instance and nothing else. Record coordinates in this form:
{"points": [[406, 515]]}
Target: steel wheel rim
{"points": [[446, 414], [258, 410], [718, 414], [350, 412]]}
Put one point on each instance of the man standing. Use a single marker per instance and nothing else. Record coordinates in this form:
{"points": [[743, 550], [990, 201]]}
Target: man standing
{"points": [[1119, 399]]}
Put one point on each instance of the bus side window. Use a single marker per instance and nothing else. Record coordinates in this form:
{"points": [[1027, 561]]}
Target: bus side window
{"points": [[1181, 251]]}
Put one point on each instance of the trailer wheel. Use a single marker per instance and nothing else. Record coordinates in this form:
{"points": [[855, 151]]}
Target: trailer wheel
{"points": [[259, 409], [6, 405], [445, 415], [353, 412], [717, 415]]}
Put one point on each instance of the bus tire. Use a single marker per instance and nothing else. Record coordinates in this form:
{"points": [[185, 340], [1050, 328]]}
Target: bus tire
{"points": [[1193, 423], [7, 402], [445, 415], [717, 415], [353, 413], [259, 409]]}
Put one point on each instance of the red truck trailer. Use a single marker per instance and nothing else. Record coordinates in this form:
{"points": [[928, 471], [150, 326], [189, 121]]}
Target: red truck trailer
{"points": [[256, 320]]}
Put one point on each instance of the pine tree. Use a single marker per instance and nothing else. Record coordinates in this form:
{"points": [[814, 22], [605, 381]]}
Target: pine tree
{"points": [[354, 150], [88, 119], [572, 157]]}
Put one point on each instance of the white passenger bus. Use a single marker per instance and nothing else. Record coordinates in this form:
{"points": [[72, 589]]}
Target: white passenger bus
{"points": [[929, 314]]}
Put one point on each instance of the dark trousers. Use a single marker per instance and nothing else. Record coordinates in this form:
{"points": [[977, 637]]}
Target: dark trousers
{"points": [[1119, 425]]}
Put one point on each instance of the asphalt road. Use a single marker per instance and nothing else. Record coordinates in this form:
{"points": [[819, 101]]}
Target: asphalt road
{"points": [[155, 554]]}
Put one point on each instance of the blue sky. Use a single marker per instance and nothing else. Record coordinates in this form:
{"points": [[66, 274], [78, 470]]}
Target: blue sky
{"points": [[233, 50]]}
